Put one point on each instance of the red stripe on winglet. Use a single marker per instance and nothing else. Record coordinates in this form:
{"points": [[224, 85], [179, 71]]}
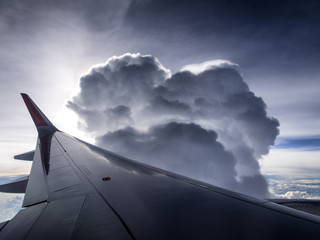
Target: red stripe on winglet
{"points": [[35, 114]]}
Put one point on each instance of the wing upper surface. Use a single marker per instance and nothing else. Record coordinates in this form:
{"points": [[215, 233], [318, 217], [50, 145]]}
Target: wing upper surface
{"points": [[155, 204]]}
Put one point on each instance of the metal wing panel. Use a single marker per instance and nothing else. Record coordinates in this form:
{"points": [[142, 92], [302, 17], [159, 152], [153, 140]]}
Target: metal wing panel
{"points": [[36, 189], [155, 204], [60, 173], [20, 225], [3, 224], [27, 156], [98, 221], [54, 220], [57, 220], [61, 178], [16, 186]]}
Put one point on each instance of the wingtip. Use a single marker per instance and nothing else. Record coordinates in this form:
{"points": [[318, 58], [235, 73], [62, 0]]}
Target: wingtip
{"points": [[38, 117]]}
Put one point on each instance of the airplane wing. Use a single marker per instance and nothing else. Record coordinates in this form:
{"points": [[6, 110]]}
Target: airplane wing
{"points": [[79, 191]]}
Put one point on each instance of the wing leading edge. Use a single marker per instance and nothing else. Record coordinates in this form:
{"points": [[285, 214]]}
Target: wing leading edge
{"points": [[79, 191]]}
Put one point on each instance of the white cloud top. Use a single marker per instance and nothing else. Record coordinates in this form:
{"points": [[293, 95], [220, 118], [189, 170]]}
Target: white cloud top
{"points": [[209, 65]]}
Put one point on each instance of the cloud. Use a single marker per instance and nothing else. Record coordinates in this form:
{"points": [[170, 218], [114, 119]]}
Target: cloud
{"points": [[187, 148], [202, 121], [198, 68], [291, 162], [10, 204], [295, 195], [300, 186]]}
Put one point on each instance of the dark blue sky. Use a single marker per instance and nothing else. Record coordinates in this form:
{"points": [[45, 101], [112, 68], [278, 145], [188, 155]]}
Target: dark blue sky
{"points": [[308, 144], [282, 34]]}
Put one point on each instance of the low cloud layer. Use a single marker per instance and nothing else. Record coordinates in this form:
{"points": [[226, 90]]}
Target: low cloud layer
{"points": [[294, 187], [202, 122], [10, 204]]}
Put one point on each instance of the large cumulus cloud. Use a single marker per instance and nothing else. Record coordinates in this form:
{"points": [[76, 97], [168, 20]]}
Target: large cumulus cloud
{"points": [[202, 121]]}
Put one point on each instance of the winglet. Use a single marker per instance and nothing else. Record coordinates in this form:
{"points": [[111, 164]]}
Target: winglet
{"points": [[43, 125]]}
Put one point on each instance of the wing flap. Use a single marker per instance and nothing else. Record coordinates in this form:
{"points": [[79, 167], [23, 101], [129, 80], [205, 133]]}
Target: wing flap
{"points": [[27, 156], [3, 224], [36, 191], [54, 220], [57, 220], [19, 226], [17, 186]]}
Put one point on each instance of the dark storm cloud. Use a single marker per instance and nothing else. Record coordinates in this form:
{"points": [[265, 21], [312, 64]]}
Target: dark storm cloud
{"points": [[186, 148], [119, 111], [118, 116], [203, 122], [165, 106]]}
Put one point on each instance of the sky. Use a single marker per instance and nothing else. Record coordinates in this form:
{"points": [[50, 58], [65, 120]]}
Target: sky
{"points": [[268, 49]]}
